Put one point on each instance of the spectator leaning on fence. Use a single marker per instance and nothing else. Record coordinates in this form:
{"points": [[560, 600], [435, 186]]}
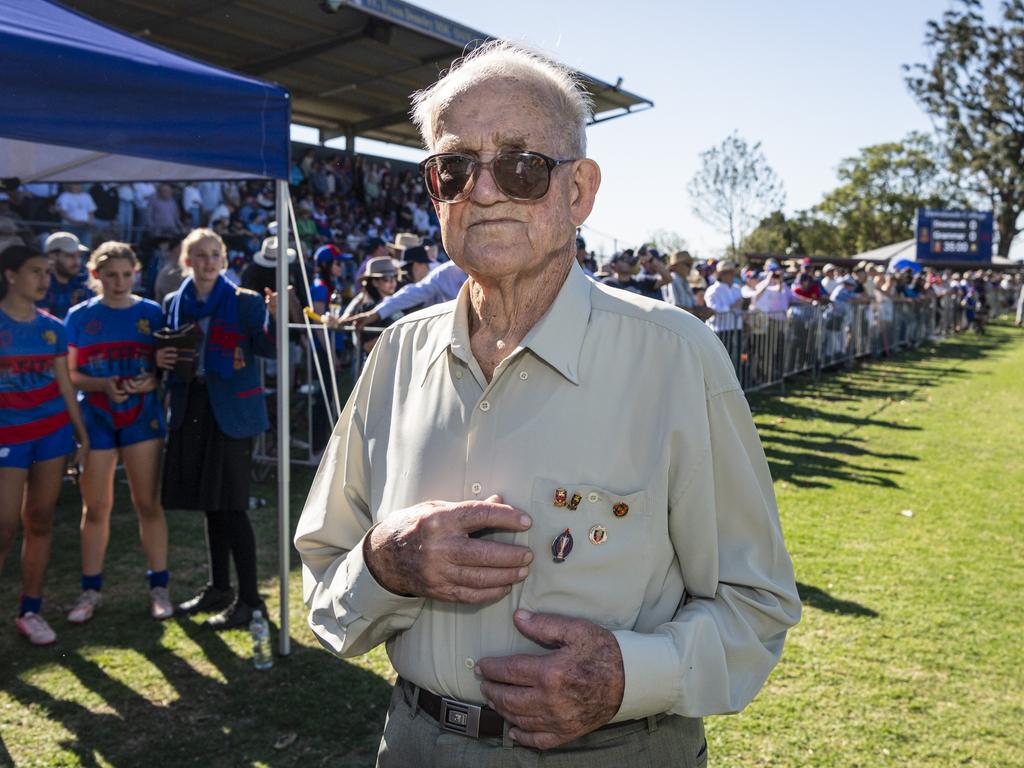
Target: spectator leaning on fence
{"points": [[725, 298]]}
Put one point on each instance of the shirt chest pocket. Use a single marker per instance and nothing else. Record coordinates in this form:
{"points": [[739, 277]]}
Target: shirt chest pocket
{"points": [[591, 552]]}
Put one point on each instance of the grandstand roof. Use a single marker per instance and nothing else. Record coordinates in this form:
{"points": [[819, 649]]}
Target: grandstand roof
{"points": [[349, 65]]}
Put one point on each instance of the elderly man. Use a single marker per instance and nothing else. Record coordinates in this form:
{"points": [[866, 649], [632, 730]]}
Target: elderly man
{"points": [[548, 573]]}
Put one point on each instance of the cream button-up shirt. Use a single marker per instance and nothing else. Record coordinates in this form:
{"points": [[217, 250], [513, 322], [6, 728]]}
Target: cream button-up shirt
{"points": [[613, 398]]}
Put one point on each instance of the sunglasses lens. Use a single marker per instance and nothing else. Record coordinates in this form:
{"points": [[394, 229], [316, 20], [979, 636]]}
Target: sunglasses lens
{"points": [[521, 175], [449, 177]]}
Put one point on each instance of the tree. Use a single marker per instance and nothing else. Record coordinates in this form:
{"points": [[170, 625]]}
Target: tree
{"points": [[667, 241], [974, 88], [881, 189], [734, 188], [804, 234]]}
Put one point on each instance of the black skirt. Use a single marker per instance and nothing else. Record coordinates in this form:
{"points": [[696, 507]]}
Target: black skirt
{"points": [[204, 469]]}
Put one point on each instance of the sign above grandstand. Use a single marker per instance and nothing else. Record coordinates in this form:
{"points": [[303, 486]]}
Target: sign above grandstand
{"points": [[954, 235], [428, 23]]}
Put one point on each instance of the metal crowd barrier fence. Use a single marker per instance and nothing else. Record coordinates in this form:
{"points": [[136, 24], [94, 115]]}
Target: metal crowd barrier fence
{"points": [[766, 349]]}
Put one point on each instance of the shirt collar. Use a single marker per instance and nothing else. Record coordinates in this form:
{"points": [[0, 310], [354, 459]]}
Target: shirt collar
{"points": [[557, 338]]}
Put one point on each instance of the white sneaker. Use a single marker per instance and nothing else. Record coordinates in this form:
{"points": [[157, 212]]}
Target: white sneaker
{"points": [[84, 607], [160, 606], [34, 627]]}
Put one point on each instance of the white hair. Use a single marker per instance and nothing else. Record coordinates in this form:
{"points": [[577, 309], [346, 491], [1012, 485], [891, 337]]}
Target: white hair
{"points": [[501, 60]]}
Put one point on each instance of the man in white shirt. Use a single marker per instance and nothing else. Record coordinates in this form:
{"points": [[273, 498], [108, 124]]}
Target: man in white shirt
{"points": [[77, 209]]}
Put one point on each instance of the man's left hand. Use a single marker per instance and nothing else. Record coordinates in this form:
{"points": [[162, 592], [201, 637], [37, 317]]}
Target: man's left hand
{"points": [[553, 699]]}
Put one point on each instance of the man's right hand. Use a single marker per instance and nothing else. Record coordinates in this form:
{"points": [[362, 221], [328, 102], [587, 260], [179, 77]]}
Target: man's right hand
{"points": [[427, 551]]}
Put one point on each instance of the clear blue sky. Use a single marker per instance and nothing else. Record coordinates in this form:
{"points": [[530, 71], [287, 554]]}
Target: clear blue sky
{"points": [[814, 81]]}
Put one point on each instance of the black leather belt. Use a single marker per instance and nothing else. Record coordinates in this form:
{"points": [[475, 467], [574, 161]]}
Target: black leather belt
{"points": [[468, 719]]}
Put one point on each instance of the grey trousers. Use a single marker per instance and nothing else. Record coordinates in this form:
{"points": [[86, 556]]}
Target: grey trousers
{"points": [[413, 739]]}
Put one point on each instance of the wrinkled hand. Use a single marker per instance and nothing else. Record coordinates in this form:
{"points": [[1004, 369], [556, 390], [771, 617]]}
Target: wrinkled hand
{"points": [[166, 358], [553, 699], [427, 551], [112, 389]]}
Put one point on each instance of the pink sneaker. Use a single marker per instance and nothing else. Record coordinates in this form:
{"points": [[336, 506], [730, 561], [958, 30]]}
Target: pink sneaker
{"points": [[84, 607], [34, 627]]}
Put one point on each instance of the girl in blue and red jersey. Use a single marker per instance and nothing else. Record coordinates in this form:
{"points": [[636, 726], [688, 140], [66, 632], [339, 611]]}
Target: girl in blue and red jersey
{"points": [[38, 412], [112, 360]]}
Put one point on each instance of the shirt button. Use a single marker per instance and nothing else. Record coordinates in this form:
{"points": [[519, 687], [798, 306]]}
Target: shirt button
{"points": [[476, 487], [593, 498], [458, 374], [524, 375], [485, 406], [470, 663]]}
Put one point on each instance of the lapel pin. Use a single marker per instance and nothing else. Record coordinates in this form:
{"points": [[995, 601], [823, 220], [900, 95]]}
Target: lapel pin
{"points": [[620, 510], [560, 496], [562, 546], [598, 534], [575, 501]]}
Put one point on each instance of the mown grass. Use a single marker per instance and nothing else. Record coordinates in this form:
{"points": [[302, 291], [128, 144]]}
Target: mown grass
{"points": [[899, 486]]}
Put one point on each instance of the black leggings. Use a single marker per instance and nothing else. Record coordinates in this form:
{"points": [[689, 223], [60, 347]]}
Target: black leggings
{"points": [[229, 532]]}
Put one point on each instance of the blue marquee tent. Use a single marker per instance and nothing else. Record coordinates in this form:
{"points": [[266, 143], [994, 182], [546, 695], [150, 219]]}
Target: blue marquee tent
{"points": [[84, 102]]}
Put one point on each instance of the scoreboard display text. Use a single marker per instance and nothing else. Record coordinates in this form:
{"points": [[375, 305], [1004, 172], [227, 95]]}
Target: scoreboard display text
{"points": [[954, 235]]}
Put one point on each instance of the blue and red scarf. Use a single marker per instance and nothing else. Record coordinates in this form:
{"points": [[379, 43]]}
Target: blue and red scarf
{"points": [[223, 334]]}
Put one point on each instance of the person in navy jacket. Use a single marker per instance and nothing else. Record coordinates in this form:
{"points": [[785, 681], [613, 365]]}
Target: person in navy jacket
{"points": [[213, 418]]}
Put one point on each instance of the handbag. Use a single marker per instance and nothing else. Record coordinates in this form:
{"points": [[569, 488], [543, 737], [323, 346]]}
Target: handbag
{"points": [[185, 340]]}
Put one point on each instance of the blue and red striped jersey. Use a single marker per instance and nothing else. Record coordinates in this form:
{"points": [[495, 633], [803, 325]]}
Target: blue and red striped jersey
{"points": [[31, 405], [116, 342]]}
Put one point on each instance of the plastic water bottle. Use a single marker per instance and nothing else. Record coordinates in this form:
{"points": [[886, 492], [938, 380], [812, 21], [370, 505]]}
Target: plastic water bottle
{"points": [[262, 657]]}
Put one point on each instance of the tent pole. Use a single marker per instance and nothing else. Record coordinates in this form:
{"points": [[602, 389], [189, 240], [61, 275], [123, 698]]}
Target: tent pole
{"points": [[283, 424]]}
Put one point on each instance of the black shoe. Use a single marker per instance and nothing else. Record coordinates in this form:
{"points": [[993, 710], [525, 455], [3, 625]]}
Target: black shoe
{"points": [[209, 598], [239, 614]]}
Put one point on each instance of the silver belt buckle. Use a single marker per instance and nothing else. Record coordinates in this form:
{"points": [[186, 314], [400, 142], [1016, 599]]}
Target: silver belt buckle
{"points": [[461, 718]]}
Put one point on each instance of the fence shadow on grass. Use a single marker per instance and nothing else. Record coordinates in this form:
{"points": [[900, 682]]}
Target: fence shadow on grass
{"points": [[810, 457], [823, 601]]}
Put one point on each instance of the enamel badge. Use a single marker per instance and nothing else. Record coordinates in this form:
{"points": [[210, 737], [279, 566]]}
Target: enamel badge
{"points": [[560, 496], [598, 534], [562, 546], [620, 509], [575, 501]]}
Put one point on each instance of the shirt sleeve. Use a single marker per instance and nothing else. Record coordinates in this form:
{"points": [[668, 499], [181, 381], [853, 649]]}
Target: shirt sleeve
{"points": [[719, 299], [70, 328], [350, 612], [429, 290], [728, 632], [61, 347]]}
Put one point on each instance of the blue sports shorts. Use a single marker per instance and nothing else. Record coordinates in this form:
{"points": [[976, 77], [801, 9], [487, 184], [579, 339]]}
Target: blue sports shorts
{"points": [[103, 437], [24, 455]]}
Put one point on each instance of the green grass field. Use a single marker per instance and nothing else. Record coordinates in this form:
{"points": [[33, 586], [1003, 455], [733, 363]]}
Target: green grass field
{"points": [[899, 486]]}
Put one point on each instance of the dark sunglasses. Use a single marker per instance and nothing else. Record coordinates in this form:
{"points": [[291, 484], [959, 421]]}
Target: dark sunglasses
{"points": [[520, 175]]}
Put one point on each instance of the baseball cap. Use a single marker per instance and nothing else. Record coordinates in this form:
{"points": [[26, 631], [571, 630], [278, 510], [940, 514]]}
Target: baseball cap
{"points": [[326, 253], [64, 241]]}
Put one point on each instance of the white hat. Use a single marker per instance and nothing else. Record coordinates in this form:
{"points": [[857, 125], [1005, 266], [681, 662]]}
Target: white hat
{"points": [[64, 241], [267, 254]]}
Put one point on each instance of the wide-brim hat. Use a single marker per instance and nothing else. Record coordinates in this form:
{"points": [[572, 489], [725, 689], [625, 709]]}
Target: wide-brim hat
{"points": [[726, 265], [404, 240], [680, 257], [64, 241], [417, 254], [381, 266], [266, 256]]}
